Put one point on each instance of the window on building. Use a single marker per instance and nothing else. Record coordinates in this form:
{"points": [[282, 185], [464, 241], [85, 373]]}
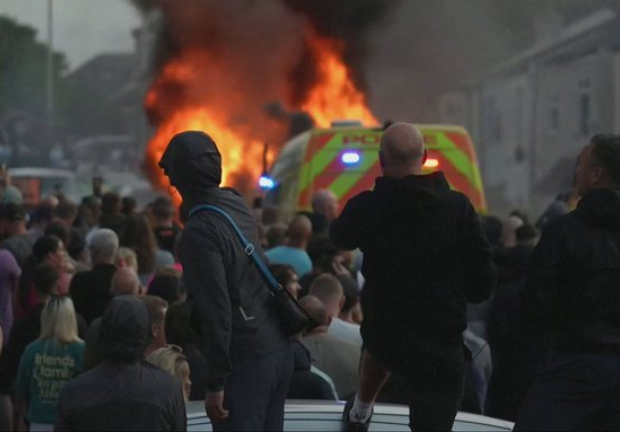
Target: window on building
{"points": [[492, 122], [554, 118], [584, 114], [520, 116]]}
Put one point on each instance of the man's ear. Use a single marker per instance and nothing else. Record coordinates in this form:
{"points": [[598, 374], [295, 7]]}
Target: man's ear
{"points": [[154, 331], [598, 174]]}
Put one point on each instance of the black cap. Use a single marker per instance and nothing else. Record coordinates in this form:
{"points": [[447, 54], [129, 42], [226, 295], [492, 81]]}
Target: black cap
{"points": [[13, 212]]}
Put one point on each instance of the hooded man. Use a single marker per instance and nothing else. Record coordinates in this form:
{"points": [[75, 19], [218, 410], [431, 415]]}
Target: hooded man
{"points": [[245, 346], [425, 257], [124, 392], [572, 293]]}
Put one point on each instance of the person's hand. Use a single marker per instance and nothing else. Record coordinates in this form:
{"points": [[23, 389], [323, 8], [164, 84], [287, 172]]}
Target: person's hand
{"points": [[214, 405], [339, 268]]}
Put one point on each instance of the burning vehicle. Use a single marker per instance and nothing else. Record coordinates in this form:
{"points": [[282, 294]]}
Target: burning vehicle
{"points": [[220, 63], [344, 158]]}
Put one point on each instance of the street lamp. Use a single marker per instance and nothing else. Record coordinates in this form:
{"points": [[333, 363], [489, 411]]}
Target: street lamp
{"points": [[50, 65]]}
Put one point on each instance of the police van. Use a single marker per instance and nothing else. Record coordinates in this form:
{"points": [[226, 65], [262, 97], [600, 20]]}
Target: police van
{"points": [[345, 159]]}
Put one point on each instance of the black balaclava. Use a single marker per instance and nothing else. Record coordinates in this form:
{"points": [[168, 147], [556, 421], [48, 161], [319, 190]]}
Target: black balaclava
{"points": [[193, 163]]}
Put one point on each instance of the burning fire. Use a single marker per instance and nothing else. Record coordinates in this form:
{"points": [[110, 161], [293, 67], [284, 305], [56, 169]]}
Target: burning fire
{"points": [[177, 101], [233, 148], [334, 97], [241, 155]]}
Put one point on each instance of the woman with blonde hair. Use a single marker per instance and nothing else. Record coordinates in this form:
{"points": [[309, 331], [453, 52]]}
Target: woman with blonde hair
{"points": [[48, 364], [127, 258], [170, 358]]}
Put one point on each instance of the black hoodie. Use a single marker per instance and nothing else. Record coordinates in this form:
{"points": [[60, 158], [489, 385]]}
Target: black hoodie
{"points": [[233, 304], [124, 392], [573, 285], [425, 256]]}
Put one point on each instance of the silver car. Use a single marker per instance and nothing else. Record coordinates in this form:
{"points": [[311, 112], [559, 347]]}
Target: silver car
{"points": [[327, 416]]}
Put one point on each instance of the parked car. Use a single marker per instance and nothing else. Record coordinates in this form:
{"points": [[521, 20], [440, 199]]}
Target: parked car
{"points": [[327, 416], [38, 183]]}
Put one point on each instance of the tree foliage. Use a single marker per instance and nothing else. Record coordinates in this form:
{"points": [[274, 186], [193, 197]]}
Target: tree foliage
{"points": [[23, 69]]}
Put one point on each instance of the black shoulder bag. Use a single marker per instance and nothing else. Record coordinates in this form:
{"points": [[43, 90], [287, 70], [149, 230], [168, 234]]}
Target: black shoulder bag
{"points": [[292, 315]]}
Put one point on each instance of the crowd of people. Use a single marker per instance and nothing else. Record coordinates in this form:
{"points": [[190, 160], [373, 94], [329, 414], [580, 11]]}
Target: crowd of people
{"points": [[62, 265], [101, 321]]}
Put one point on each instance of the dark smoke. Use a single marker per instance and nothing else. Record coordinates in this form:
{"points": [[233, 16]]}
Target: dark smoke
{"points": [[213, 24], [429, 47], [347, 20], [423, 48]]}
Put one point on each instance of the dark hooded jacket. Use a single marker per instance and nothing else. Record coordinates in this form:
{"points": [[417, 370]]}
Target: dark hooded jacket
{"points": [[233, 305], [124, 392], [425, 257], [573, 287]]}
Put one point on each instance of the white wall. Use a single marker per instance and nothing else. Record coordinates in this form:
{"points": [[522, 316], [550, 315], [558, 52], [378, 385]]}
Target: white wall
{"points": [[580, 93], [505, 130]]}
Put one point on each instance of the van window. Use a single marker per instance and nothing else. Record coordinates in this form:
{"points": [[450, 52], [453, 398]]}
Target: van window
{"points": [[38, 183]]}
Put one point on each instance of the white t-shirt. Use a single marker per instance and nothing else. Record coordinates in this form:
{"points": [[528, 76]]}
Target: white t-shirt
{"points": [[344, 330]]}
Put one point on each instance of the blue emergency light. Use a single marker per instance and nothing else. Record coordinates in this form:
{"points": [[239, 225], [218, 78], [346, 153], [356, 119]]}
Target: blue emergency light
{"points": [[266, 182], [350, 158]]}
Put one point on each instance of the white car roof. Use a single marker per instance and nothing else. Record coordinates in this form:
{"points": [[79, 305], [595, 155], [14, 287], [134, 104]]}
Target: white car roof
{"points": [[40, 172], [327, 416]]}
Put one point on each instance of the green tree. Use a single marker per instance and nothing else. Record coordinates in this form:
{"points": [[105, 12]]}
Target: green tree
{"points": [[23, 69]]}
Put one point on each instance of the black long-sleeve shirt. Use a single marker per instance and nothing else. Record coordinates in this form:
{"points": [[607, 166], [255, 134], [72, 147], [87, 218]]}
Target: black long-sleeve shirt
{"points": [[425, 257], [236, 316], [572, 290], [122, 396]]}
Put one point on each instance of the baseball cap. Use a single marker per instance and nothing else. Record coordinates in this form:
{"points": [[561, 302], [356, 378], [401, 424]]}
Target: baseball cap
{"points": [[12, 195], [13, 212]]}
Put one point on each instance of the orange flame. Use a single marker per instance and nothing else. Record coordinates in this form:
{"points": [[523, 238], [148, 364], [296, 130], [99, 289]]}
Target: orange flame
{"points": [[178, 100], [237, 150], [335, 97]]}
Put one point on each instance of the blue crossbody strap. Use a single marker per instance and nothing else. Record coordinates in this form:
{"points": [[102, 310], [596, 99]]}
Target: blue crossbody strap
{"points": [[247, 246]]}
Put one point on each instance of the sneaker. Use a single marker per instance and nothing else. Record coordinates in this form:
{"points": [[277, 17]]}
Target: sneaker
{"points": [[350, 426]]}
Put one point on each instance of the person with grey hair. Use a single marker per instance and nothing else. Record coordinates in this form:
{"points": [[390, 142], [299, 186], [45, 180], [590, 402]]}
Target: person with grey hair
{"points": [[425, 257], [325, 208], [91, 290], [326, 203]]}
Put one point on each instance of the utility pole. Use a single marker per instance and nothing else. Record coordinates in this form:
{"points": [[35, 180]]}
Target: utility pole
{"points": [[50, 65]]}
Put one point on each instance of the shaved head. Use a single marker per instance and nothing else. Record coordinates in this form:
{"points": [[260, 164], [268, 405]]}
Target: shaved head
{"points": [[316, 309], [327, 288], [300, 229], [402, 150], [125, 282], [326, 203]]}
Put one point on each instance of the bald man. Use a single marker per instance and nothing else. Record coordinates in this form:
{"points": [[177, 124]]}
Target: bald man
{"points": [[325, 208], [326, 203], [125, 282], [338, 358], [425, 256], [327, 288], [294, 253]]}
